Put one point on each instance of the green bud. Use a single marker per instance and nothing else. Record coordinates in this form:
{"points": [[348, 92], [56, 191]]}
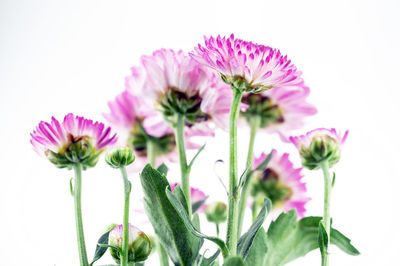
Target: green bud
{"points": [[139, 247], [119, 157], [216, 212]]}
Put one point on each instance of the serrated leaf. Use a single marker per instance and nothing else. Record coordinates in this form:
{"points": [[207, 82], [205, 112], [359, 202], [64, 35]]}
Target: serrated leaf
{"points": [[322, 239], [163, 169], [198, 204], [100, 249], [289, 239], [247, 239], [184, 215], [234, 261], [180, 244], [258, 250]]}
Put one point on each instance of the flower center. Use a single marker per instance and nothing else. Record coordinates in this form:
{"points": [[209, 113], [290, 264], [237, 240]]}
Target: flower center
{"points": [[263, 107], [177, 102], [139, 138]]}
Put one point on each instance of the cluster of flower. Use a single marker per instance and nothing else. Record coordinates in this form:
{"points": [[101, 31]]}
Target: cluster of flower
{"points": [[171, 97]]}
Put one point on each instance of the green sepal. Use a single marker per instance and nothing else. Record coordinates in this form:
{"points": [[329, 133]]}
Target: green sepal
{"points": [[184, 215], [180, 244]]}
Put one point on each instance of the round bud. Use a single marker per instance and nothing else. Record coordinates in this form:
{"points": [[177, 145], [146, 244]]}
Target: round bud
{"points": [[139, 246], [216, 212], [119, 157]]}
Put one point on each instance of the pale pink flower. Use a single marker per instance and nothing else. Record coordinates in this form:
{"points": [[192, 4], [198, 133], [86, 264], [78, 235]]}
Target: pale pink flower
{"points": [[281, 183], [304, 141], [261, 67]]}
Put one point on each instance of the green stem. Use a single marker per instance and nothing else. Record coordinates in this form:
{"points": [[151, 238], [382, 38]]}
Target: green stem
{"points": [[78, 215], [162, 254], [231, 235], [151, 153], [254, 125], [326, 219], [185, 171], [217, 228], [125, 238]]}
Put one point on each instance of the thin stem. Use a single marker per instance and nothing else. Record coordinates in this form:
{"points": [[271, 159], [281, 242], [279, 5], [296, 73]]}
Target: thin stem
{"points": [[125, 238], [151, 153], [78, 215], [231, 235], [162, 254], [254, 125], [185, 171], [217, 228], [326, 219]]}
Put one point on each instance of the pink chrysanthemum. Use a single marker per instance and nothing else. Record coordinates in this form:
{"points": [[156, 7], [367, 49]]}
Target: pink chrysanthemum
{"points": [[281, 183], [196, 196], [318, 146], [280, 109], [261, 67], [75, 140], [180, 85]]}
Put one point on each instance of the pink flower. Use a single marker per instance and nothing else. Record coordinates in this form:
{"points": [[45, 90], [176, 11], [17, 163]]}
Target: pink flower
{"points": [[196, 196], [261, 67], [178, 84], [55, 140], [318, 146], [281, 183], [281, 109]]}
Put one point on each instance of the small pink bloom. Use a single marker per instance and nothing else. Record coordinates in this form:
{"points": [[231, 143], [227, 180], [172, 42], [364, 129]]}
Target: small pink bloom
{"points": [[304, 141], [285, 188], [258, 65]]}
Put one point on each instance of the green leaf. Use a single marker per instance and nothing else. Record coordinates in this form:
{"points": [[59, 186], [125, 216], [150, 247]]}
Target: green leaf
{"points": [[163, 169], [100, 249], [197, 204], [211, 261], [247, 239], [195, 157], [333, 179], [71, 186], [258, 250], [264, 164], [289, 239], [184, 215], [234, 261], [178, 192], [322, 239], [180, 244]]}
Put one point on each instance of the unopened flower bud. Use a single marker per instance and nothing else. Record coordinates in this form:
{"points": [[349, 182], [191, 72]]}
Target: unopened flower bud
{"points": [[318, 146], [216, 212], [121, 156], [139, 246]]}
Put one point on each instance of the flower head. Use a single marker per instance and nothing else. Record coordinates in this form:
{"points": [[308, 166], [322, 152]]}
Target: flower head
{"points": [[280, 109], [75, 140], [246, 65], [119, 157], [140, 126], [196, 195], [281, 183], [318, 146], [139, 246], [180, 85]]}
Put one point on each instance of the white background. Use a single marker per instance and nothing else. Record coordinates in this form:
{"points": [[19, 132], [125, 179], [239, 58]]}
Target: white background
{"points": [[72, 56]]}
